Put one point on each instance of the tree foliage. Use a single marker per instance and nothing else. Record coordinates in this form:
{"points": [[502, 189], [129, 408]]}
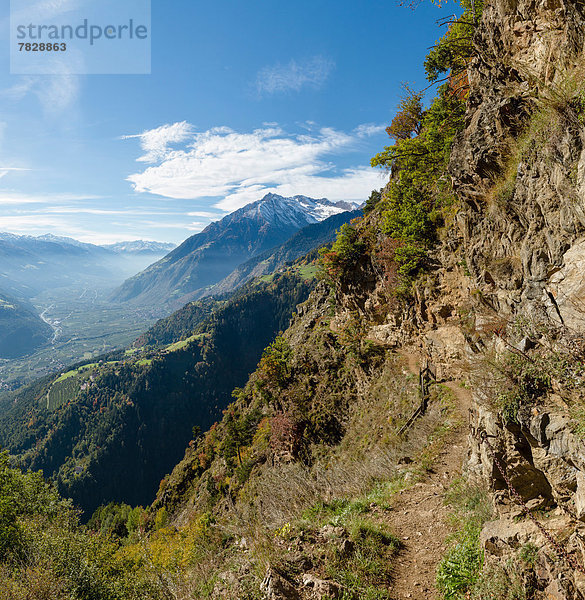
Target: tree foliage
{"points": [[45, 553], [408, 119], [454, 50], [419, 191], [344, 252]]}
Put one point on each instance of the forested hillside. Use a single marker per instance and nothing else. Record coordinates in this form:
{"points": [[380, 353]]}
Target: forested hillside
{"points": [[111, 429], [21, 330]]}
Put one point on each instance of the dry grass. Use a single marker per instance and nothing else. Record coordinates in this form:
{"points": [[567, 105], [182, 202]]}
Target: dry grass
{"points": [[349, 472], [261, 526]]}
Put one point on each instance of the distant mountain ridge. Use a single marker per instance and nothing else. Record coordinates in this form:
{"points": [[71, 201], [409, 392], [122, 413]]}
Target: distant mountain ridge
{"points": [[131, 247], [207, 257], [31, 264], [140, 247]]}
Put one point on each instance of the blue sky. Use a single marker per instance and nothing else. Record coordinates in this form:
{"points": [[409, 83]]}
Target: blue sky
{"points": [[244, 98]]}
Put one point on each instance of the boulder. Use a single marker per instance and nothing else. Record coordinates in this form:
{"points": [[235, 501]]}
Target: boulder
{"points": [[321, 588], [277, 587]]}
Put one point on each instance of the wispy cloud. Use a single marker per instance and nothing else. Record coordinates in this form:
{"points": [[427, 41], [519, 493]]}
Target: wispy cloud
{"points": [[237, 168], [29, 223], [155, 142], [57, 94], [5, 170], [195, 226], [205, 215], [9, 198], [44, 9], [369, 129], [75, 210], [293, 76]]}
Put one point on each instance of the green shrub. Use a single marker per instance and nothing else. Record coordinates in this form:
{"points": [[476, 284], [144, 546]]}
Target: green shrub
{"points": [[461, 566], [529, 554], [343, 254], [525, 381]]}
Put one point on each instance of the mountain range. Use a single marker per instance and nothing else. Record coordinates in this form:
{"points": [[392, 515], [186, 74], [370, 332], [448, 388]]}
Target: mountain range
{"points": [[140, 247], [206, 258], [29, 265], [300, 244]]}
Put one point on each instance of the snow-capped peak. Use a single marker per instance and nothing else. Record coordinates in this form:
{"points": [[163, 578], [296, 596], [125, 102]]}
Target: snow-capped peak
{"points": [[296, 210]]}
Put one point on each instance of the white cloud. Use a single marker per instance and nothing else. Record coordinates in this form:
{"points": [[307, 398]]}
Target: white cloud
{"points": [[237, 168], [294, 76], [156, 141]]}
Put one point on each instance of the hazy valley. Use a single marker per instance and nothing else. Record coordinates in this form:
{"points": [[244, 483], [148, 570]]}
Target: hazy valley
{"points": [[65, 285]]}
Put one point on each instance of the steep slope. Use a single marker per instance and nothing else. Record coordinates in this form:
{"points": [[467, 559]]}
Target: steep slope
{"points": [[21, 330], [111, 429], [301, 243], [207, 257], [318, 482]]}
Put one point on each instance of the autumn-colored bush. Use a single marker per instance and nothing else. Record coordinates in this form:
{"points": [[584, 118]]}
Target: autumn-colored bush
{"points": [[408, 119], [286, 434], [348, 247]]}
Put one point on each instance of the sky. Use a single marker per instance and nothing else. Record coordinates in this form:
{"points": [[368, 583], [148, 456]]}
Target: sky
{"points": [[244, 98]]}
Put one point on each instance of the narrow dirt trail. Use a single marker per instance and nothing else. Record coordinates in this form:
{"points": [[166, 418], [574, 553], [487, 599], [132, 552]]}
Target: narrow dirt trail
{"points": [[419, 516]]}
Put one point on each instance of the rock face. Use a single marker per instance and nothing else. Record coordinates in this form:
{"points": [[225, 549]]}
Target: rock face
{"points": [[516, 251], [568, 287], [521, 177]]}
